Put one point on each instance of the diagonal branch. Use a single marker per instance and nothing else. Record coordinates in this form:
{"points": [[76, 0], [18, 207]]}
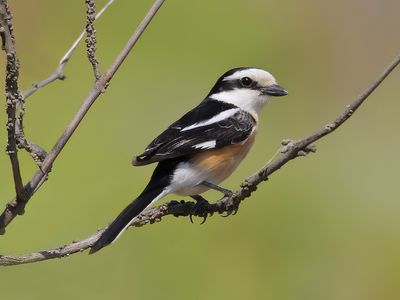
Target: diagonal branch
{"points": [[13, 96], [289, 151], [14, 207]]}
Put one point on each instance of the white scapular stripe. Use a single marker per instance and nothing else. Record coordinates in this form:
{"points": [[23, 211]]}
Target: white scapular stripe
{"points": [[221, 116], [205, 145]]}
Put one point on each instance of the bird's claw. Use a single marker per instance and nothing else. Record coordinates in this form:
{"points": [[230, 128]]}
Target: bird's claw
{"points": [[231, 211], [200, 209]]}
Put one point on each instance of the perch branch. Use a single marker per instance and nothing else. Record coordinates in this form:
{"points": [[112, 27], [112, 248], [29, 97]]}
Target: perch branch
{"points": [[13, 96], [289, 151], [14, 208]]}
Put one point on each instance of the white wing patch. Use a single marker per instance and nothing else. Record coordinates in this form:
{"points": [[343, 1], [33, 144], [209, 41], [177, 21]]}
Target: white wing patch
{"points": [[205, 145], [221, 116]]}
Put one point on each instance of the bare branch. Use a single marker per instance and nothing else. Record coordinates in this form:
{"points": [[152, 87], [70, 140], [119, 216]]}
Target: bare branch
{"points": [[59, 72], [66, 250], [13, 96], [13, 207], [91, 37], [36, 152], [228, 205]]}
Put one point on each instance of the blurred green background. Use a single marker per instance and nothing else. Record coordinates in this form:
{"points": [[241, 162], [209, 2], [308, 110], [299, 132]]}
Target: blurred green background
{"points": [[324, 227]]}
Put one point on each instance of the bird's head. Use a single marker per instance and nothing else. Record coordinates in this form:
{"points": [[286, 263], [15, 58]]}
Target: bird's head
{"points": [[247, 88]]}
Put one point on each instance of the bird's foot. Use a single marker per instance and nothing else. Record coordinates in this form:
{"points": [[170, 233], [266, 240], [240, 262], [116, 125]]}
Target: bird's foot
{"points": [[200, 208], [231, 210]]}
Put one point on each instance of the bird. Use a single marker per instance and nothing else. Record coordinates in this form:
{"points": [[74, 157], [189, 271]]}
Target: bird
{"points": [[202, 148]]}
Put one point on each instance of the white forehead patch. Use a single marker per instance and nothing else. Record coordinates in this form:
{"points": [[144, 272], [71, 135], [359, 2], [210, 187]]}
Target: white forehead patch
{"points": [[264, 78]]}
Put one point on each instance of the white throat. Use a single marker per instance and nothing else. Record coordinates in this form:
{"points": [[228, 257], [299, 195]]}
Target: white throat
{"points": [[246, 99]]}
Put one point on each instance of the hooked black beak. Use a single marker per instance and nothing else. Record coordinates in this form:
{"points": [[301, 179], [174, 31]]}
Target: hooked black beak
{"points": [[274, 90]]}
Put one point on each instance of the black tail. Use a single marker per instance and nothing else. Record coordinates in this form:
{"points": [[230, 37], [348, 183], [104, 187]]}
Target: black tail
{"points": [[126, 216]]}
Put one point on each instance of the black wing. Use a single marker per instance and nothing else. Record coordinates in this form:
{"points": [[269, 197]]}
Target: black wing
{"points": [[181, 139]]}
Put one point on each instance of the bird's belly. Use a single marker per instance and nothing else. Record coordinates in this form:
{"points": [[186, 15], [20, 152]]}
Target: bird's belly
{"points": [[213, 166]]}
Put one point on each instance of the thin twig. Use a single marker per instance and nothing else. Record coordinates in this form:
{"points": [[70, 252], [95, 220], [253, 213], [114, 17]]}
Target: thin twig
{"points": [[59, 72], [35, 151], [38, 178], [289, 151], [13, 96], [91, 37]]}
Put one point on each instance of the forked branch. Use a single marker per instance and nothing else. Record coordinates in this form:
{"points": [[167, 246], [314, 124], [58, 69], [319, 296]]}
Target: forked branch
{"points": [[15, 207], [59, 72], [38, 153]]}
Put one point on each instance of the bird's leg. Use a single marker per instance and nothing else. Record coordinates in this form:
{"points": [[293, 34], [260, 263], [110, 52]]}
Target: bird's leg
{"points": [[200, 208], [210, 185], [226, 192]]}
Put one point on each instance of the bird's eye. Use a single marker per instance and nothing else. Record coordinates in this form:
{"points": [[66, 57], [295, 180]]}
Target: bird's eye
{"points": [[246, 81]]}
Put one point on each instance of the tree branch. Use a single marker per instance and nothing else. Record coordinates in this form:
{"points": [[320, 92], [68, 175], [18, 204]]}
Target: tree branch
{"points": [[228, 205], [13, 96], [91, 37], [14, 208], [59, 72], [38, 154]]}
